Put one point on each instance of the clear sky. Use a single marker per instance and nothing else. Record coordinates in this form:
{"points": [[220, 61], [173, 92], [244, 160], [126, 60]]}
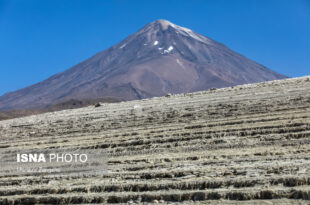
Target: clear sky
{"points": [[39, 38]]}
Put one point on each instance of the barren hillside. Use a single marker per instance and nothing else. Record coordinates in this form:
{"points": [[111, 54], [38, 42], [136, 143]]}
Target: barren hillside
{"points": [[65, 105], [246, 143]]}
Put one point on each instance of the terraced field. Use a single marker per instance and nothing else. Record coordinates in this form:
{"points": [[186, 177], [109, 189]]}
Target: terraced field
{"points": [[242, 145]]}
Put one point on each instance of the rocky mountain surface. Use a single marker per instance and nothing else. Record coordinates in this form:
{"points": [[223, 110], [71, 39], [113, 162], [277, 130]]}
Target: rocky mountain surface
{"points": [[246, 144], [160, 58]]}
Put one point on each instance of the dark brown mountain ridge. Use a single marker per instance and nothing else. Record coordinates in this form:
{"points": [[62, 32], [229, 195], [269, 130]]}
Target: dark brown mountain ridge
{"points": [[160, 58]]}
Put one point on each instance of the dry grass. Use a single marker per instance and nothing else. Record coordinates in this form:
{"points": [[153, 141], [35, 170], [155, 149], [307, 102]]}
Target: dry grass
{"points": [[243, 145]]}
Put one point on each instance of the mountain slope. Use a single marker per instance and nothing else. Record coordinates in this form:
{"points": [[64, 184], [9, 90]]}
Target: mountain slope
{"points": [[160, 58]]}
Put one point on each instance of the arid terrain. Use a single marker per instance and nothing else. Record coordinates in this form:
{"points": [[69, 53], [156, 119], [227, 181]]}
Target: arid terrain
{"points": [[65, 105], [246, 144]]}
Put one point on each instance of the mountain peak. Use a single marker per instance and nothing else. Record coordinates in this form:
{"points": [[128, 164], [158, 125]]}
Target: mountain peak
{"points": [[164, 24], [161, 37]]}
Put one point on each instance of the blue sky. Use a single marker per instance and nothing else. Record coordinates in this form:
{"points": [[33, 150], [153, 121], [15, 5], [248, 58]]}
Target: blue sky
{"points": [[40, 38]]}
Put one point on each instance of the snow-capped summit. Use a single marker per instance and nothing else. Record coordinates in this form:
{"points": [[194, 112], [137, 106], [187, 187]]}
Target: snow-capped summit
{"points": [[158, 59], [181, 30], [164, 23], [164, 26]]}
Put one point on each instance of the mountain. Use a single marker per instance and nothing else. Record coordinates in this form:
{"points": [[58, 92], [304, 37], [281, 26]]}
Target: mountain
{"points": [[160, 58]]}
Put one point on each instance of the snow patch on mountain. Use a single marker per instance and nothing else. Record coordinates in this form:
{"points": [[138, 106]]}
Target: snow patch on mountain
{"points": [[123, 45], [180, 63], [169, 49]]}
